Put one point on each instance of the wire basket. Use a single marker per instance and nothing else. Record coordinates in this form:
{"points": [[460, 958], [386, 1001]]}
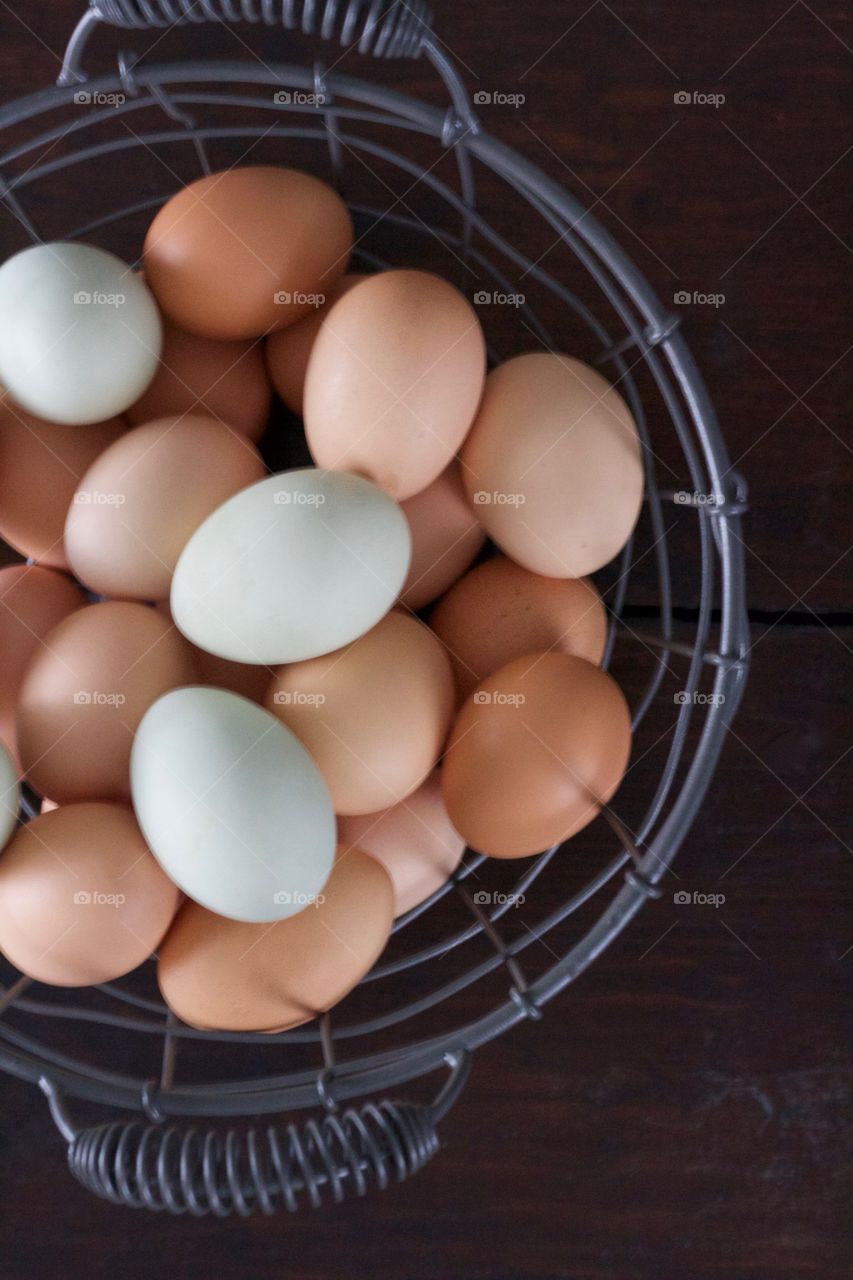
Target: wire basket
{"points": [[418, 180]]}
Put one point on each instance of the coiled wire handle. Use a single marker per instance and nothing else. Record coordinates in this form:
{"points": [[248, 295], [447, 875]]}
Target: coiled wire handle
{"points": [[381, 28], [151, 1166]]}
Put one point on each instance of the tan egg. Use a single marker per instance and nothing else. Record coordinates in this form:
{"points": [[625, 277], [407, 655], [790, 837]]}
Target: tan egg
{"points": [[226, 975], [446, 536], [85, 692], [143, 499], [500, 611], [223, 380], [553, 465], [32, 602], [535, 751], [374, 715], [41, 464], [243, 678], [394, 380], [288, 350], [240, 253], [415, 841], [82, 900]]}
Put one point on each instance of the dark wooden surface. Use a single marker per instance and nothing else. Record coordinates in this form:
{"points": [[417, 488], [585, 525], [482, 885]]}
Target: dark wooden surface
{"points": [[681, 1111]]}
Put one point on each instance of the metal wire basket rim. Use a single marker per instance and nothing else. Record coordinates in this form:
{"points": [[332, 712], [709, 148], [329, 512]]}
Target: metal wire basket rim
{"points": [[380, 1071]]}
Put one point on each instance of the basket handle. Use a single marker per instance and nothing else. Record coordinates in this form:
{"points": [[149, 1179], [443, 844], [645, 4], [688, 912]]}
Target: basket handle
{"points": [[381, 28], [186, 1170]]}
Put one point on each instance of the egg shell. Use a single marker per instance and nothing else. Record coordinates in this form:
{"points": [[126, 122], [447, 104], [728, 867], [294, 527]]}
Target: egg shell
{"points": [[394, 380], [500, 611], [535, 751], [446, 536], [81, 898], [553, 465], [80, 334], [241, 253], [374, 716], [10, 795], [85, 692], [288, 350], [223, 380], [415, 841], [32, 602], [140, 502], [231, 804], [293, 567], [41, 464], [242, 678], [226, 975]]}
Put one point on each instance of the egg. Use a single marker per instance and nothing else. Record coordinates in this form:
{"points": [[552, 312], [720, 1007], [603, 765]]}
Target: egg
{"points": [[223, 380], [500, 611], [85, 692], [415, 841], [535, 752], [226, 975], [394, 380], [41, 464], [137, 506], [10, 795], [240, 253], [288, 350], [293, 567], [374, 716], [32, 602], [446, 536], [81, 899], [80, 334], [553, 465], [232, 805]]}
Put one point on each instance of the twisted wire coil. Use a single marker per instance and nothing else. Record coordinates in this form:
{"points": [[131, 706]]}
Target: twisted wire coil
{"points": [[210, 1172], [383, 28]]}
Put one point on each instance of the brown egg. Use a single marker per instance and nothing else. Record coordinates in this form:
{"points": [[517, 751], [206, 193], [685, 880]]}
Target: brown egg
{"points": [[534, 753], [82, 900], [41, 464], [500, 611], [32, 602], [374, 715], [243, 678], [446, 536], [226, 975], [138, 505], [85, 692], [553, 465], [223, 380], [394, 380], [288, 350], [415, 841], [240, 253]]}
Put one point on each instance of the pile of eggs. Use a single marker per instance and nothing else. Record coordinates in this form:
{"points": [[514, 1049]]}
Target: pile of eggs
{"points": [[266, 713]]}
